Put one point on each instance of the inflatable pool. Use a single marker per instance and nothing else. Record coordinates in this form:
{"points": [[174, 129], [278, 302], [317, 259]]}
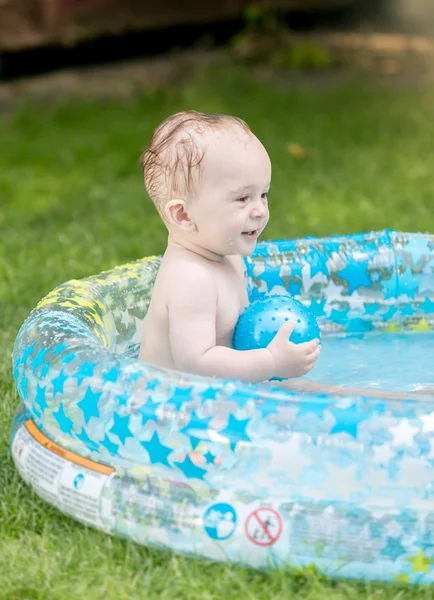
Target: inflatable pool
{"points": [[253, 474]]}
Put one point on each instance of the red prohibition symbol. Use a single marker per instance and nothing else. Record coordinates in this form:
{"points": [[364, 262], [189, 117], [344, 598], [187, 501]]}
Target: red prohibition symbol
{"points": [[263, 526]]}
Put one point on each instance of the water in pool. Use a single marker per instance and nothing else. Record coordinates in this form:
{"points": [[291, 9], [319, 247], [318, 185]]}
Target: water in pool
{"points": [[388, 361]]}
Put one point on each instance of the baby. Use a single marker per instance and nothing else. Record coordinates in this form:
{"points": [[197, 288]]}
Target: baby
{"points": [[209, 178]]}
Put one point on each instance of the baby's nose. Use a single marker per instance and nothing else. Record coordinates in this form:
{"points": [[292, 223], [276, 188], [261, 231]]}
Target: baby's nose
{"points": [[258, 211]]}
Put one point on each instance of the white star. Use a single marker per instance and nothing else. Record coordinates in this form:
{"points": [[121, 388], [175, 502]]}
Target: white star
{"points": [[403, 433], [392, 529], [428, 422], [280, 290], [333, 291], [340, 483], [356, 301], [376, 478], [137, 338], [126, 318], [414, 473], [383, 454], [287, 458], [309, 281], [258, 269]]}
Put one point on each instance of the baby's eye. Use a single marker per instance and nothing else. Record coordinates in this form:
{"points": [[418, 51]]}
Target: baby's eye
{"points": [[242, 199], [264, 196]]}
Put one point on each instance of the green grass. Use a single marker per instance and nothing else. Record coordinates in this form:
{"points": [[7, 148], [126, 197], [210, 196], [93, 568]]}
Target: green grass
{"points": [[72, 204]]}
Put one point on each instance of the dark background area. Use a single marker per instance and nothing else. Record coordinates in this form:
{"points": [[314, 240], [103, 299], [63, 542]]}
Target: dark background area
{"points": [[84, 49]]}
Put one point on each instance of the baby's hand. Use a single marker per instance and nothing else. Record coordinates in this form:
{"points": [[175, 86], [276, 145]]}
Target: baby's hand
{"points": [[292, 360]]}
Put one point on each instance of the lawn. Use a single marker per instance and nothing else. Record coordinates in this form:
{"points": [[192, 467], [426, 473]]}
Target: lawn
{"points": [[72, 204]]}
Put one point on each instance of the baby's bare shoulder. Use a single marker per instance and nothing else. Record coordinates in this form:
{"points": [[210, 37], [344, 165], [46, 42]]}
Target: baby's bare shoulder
{"points": [[184, 273]]}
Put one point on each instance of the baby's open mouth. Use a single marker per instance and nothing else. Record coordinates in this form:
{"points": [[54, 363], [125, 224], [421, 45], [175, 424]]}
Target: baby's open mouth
{"points": [[252, 233]]}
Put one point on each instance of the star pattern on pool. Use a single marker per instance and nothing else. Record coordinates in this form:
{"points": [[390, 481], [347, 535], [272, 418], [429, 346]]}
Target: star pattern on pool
{"points": [[340, 453]]}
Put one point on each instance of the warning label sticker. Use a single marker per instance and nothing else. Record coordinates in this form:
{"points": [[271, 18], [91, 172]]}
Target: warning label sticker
{"points": [[72, 483], [263, 526]]}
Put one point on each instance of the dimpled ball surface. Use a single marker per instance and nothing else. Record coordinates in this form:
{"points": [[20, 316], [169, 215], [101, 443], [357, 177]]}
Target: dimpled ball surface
{"points": [[263, 318]]}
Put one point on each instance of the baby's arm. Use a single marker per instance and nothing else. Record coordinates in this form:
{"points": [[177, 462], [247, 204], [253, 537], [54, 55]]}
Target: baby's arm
{"points": [[192, 333]]}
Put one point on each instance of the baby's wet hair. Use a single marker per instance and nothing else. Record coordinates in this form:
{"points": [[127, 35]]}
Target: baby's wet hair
{"points": [[172, 160]]}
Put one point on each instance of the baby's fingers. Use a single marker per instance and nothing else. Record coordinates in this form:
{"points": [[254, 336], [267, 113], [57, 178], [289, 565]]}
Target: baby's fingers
{"points": [[310, 347], [312, 358], [286, 330]]}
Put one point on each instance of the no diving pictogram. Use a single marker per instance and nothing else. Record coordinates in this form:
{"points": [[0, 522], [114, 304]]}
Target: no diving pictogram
{"points": [[263, 526]]}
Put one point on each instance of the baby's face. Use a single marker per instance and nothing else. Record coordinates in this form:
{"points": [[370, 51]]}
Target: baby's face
{"points": [[230, 207]]}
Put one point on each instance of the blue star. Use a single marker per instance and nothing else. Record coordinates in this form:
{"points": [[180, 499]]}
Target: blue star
{"points": [[59, 348], [58, 383], [317, 308], [317, 264], [27, 352], [356, 275], [120, 427], [359, 326], [123, 399], [67, 358], [389, 313], [148, 410], [39, 359], [296, 269], [296, 278], [235, 431], [190, 469], [40, 397], [372, 308], [240, 397], [65, 423], [316, 407], [196, 423], [408, 283], [337, 316], [86, 439], [85, 370], [152, 384], [348, 419], [36, 412], [427, 306], [268, 407], [109, 445], [209, 458], [407, 310], [390, 286], [295, 287], [111, 375], [194, 441], [158, 453], [134, 377], [209, 394], [44, 370], [89, 404], [393, 549], [394, 466], [181, 396], [271, 276]]}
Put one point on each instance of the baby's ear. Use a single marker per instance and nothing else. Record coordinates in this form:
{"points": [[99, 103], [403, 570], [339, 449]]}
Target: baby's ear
{"points": [[176, 212]]}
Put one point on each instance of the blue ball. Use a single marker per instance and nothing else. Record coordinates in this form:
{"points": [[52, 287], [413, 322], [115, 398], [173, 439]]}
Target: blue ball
{"points": [[263, 318]]}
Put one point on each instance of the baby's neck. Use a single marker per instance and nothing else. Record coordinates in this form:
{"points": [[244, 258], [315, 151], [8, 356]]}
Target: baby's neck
{"points": [[195, 249]]}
